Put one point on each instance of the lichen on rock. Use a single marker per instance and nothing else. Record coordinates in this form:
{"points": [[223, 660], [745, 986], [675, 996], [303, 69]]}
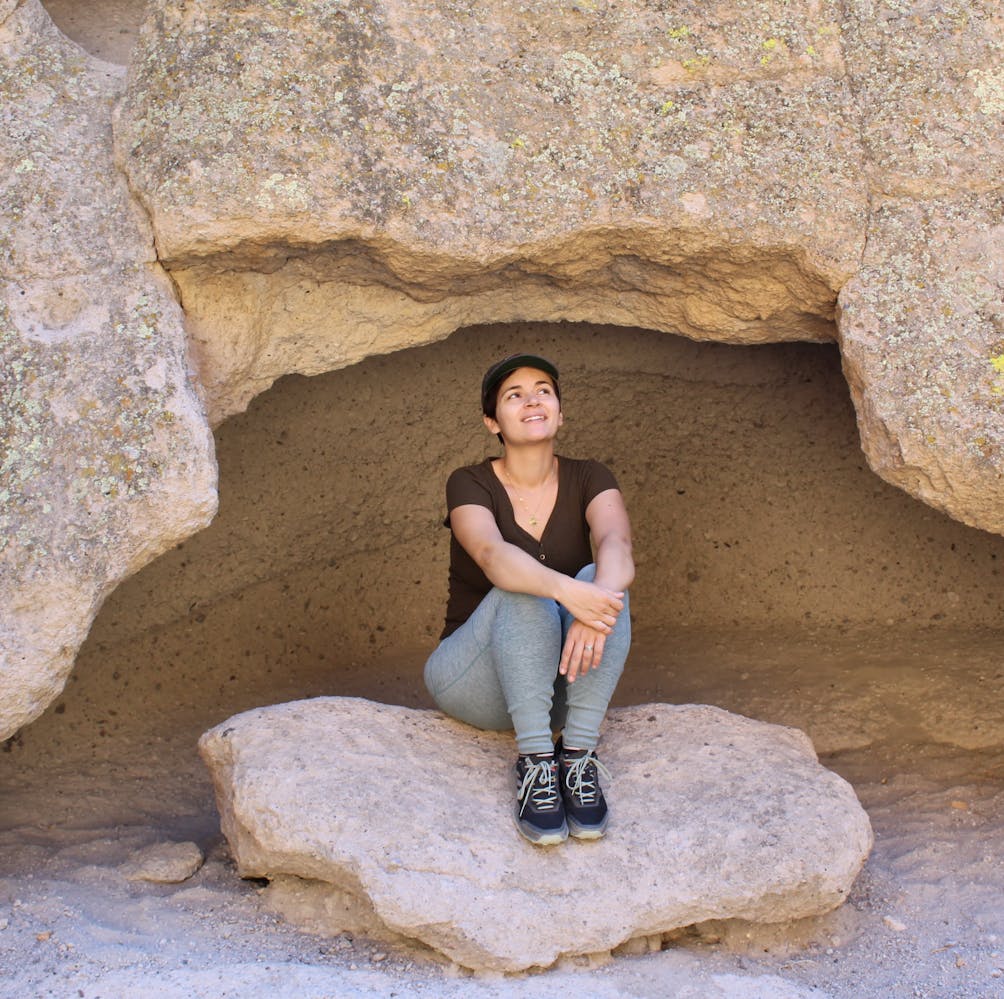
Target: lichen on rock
{"points": [[107, 458], [417, 167]]}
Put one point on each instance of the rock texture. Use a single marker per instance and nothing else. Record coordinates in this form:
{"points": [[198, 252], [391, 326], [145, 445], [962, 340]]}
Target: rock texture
{"points": [[922, 336], [714, 816], [711, 170], [327, 180], [106, 458], [164, 863], [922, 322], [411, 168]]}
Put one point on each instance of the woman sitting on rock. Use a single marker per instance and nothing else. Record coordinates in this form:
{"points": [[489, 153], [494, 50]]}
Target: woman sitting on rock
{"points": [[537, 630]]}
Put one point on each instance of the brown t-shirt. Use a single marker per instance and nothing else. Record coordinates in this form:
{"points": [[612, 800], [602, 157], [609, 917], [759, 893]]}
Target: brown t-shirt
{"points": [[564, 546]]}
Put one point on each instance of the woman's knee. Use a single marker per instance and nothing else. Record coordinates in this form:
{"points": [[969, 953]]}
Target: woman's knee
{"points": [[526, 617]]}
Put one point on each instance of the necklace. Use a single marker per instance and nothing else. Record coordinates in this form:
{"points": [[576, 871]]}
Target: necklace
{"points": [[540, 499]]}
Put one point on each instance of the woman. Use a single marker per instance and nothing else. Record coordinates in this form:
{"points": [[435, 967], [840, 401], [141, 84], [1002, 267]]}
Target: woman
{"points": [[537, 632]]}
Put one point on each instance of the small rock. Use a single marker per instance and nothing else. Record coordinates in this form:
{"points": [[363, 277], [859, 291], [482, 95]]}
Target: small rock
{"points": [[894, 924], [164, 863]]}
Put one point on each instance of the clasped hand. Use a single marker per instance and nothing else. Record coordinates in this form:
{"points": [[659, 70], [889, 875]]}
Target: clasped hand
{"points": [[595, 610]]}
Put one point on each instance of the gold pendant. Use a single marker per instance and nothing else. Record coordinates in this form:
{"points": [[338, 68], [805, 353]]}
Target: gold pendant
{"points": [[533, 521]]}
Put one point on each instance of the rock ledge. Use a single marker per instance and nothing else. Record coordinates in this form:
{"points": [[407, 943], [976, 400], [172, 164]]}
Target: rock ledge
{"points": [[714, 816]]}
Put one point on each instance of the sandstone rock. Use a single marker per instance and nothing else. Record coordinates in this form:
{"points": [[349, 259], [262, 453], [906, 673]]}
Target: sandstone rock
{"points": [[922, 339], [164, 863], [408, 168], [714, 816], [107, 458]]}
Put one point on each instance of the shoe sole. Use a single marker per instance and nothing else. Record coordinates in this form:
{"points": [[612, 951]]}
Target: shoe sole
{"points": [[587, 832], [542, 837]]}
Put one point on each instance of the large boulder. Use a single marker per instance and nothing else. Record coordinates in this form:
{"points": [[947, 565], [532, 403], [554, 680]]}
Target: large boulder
{"points": [[106, 458], [405, 816], [922, 340], [922, 322]]}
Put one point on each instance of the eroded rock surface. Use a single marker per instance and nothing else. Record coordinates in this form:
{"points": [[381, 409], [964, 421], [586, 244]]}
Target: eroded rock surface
{"points": [[922, 322], [328, 179], [407, 816], [106, 456], [409, 168], [922, 339], [710, 169]]}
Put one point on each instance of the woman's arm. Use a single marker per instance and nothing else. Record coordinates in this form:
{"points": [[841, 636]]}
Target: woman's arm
{"points": [[510, 568], [611, 532]]}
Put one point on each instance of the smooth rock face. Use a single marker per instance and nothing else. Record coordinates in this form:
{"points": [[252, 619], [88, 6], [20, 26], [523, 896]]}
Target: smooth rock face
{"points": [[106, 458], [714, 816]]}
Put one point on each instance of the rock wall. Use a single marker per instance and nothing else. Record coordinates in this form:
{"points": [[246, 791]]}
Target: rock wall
{"points": [[410, 168], [330, 180], [107, 459]]}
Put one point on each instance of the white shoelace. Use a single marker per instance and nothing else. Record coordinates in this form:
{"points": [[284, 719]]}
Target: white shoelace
{"points": [[539, 783], [581, 779]]}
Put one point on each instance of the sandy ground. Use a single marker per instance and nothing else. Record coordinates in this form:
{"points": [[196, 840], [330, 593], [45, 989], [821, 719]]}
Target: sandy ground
{"points": [[926, 917], [789, 585]]}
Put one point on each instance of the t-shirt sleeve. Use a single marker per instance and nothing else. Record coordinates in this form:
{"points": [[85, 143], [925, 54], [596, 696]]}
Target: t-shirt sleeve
{"points": [[596, 479], [464, 488]]}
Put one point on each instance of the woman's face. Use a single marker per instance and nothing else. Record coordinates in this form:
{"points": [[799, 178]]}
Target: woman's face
{"points": [[527, 407]]}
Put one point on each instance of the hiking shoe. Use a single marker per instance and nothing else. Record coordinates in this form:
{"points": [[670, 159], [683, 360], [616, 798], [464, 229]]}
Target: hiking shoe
{"points": [[585, 806], [540, 813]]}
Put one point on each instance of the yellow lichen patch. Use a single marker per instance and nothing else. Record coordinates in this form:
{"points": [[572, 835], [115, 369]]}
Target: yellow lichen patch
{"points": [[989, 89]]}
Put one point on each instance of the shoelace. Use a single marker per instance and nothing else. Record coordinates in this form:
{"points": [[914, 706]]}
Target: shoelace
{"points": [[539, 784], [582, 776]]}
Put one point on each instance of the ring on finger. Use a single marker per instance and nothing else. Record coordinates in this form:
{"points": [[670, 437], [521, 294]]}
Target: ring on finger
{"points": [[588, 648]]}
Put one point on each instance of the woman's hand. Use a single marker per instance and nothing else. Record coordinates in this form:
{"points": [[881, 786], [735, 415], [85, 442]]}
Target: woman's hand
{"points": [[582, 651], [592, 605]]}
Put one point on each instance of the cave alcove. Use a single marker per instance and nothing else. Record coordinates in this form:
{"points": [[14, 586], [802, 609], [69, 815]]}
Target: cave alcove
{"points": [[759, 531]]}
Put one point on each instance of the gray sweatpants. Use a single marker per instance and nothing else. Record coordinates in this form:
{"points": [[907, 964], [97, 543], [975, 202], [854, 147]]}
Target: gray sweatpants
{"points": [[499, 670]]}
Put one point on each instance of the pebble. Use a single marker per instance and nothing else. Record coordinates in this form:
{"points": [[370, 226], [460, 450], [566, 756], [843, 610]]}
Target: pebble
{"points": [[894, 924]]}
